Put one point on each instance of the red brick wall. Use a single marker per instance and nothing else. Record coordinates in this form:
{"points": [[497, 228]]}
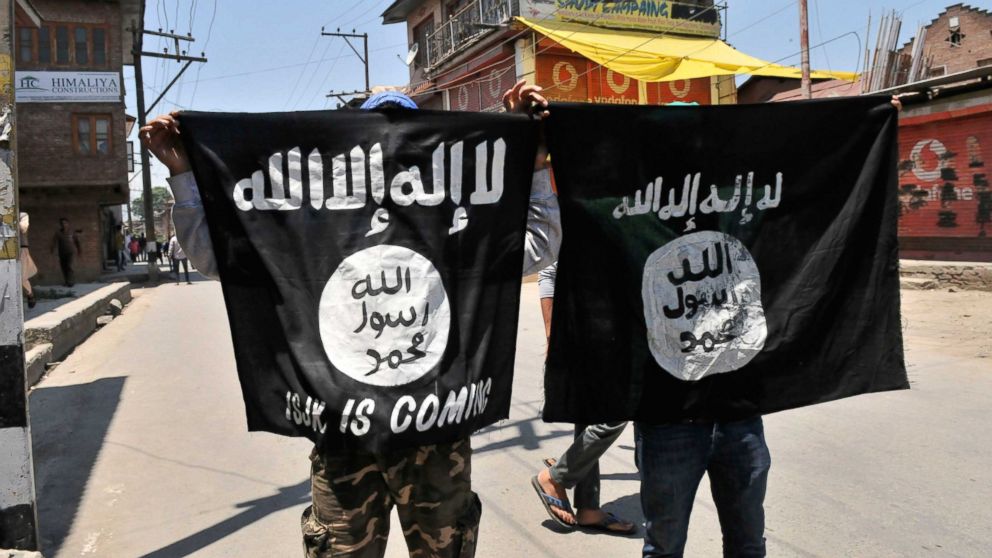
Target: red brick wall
{"points": [[82, 206], [45, 150], [944, 171], [84, 11]]}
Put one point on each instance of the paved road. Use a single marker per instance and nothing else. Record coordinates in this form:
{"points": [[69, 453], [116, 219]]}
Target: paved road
{"points": [[141, 450]]}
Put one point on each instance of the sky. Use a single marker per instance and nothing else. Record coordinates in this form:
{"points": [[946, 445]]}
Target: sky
{"points": [[268, 56]]}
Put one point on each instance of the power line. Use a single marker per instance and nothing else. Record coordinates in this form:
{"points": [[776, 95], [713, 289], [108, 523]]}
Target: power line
{"points": [[327, 76], [359, 16], [303, 70], [819, 29], [210, 28], [342, 14], [287, 66]]}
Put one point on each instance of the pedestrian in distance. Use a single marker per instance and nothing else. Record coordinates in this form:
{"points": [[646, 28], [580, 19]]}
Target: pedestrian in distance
{"points": [[28, 267], [65, 244], [119, 247], [134, 249], [179, 257]]}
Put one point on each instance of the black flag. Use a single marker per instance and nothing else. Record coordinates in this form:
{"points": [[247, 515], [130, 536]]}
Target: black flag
{"points": [[370, 263], [723, 262]]}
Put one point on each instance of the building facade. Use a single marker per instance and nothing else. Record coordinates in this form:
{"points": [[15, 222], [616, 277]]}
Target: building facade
{"points": [[468, 52], [72, 153], [945, 136], [945, 143], [958, 39]]}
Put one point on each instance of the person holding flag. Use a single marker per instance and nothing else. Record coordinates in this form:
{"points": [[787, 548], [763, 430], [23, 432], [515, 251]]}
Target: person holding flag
{"points": [[354, 490]]}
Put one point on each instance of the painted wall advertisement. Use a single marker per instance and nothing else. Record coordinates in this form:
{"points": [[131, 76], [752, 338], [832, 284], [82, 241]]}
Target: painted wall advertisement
{"points": [[567, 77], [944, 175], [72, 87], [687, 17]]}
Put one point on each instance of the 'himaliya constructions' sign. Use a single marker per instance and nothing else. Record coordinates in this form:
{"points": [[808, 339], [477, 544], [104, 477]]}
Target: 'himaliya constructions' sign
{"points": [[54, 87]]}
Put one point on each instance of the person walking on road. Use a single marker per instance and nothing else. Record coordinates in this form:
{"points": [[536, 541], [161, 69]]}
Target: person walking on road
{"points": [[578, 467], [66, 245], [179, 259]]}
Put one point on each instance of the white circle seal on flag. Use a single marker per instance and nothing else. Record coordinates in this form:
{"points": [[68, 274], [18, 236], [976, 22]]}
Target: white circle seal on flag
{"points": [[384, 316], [702, 305]]}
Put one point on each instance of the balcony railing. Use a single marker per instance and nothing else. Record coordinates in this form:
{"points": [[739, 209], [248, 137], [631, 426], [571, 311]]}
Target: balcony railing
{"points": [[464, 26]]}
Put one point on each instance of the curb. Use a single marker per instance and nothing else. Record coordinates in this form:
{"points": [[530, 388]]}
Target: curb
{"points": [[50, 337]]}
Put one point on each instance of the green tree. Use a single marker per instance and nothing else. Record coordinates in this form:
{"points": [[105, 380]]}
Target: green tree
{"points": [[160, 200]]}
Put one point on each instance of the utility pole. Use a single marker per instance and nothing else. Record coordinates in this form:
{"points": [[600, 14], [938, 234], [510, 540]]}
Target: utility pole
{"points": [[363, 57], [18, 509], [807, 88], [178, 55]]}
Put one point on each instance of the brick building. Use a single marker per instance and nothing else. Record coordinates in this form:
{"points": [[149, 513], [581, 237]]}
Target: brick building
{"points": [[72, 127], [958, 39]]}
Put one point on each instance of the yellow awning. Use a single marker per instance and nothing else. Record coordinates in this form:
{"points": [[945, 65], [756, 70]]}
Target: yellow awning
{"points": [[652, 57]]}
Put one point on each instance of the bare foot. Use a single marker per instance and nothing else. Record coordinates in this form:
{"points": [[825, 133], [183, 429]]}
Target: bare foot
{"points": [[549, 486]]}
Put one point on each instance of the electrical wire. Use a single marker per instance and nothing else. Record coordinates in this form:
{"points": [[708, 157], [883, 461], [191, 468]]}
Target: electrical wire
{"points": [[303, 92], [361, 15], [286, 66], [303, 70], [327, 76], [819, 29], [199, 67]]}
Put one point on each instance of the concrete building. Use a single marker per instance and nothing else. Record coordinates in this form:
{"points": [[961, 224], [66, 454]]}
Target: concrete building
{"points": [[72, 127], [468, 52]]}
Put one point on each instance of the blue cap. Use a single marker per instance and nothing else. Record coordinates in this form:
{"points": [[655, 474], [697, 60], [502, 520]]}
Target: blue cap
{"points": [[381, 98]]}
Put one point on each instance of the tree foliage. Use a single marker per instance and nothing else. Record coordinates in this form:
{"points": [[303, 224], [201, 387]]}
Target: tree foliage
{"points": [[161, 197]]}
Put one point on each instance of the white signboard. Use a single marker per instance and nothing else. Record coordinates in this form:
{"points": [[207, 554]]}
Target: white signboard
{"points": [[72, 87]]}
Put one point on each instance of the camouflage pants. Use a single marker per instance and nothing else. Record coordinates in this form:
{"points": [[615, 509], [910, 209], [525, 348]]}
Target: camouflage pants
{"points": [[353, 493]]}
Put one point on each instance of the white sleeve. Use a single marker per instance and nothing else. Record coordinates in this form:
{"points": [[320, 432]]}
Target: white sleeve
{"points": [[546, 281], [191, 225], [543, 236]]}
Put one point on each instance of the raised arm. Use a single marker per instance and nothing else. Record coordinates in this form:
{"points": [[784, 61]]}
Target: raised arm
{"points": [[161, 137], [543, 238]]}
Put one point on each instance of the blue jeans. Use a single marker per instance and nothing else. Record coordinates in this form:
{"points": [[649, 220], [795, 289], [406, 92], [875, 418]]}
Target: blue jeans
{"points": [[672, 459]]}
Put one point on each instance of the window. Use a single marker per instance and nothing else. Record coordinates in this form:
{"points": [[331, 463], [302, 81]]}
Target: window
{"points": [[937, 71], [61, 45], [25, 36], [79, 45], [956, 38], [420, 35], [82, 46], [91, 134], [45, 45], [99, 46]]}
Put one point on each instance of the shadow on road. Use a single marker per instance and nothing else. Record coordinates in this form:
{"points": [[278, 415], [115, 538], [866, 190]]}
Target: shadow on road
{"points": [[254, 510], [526, 439], [68, 426]]}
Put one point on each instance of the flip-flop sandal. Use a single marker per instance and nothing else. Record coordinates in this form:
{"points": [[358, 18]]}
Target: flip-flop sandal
{"points": [[605, 526], [548, 500]]}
